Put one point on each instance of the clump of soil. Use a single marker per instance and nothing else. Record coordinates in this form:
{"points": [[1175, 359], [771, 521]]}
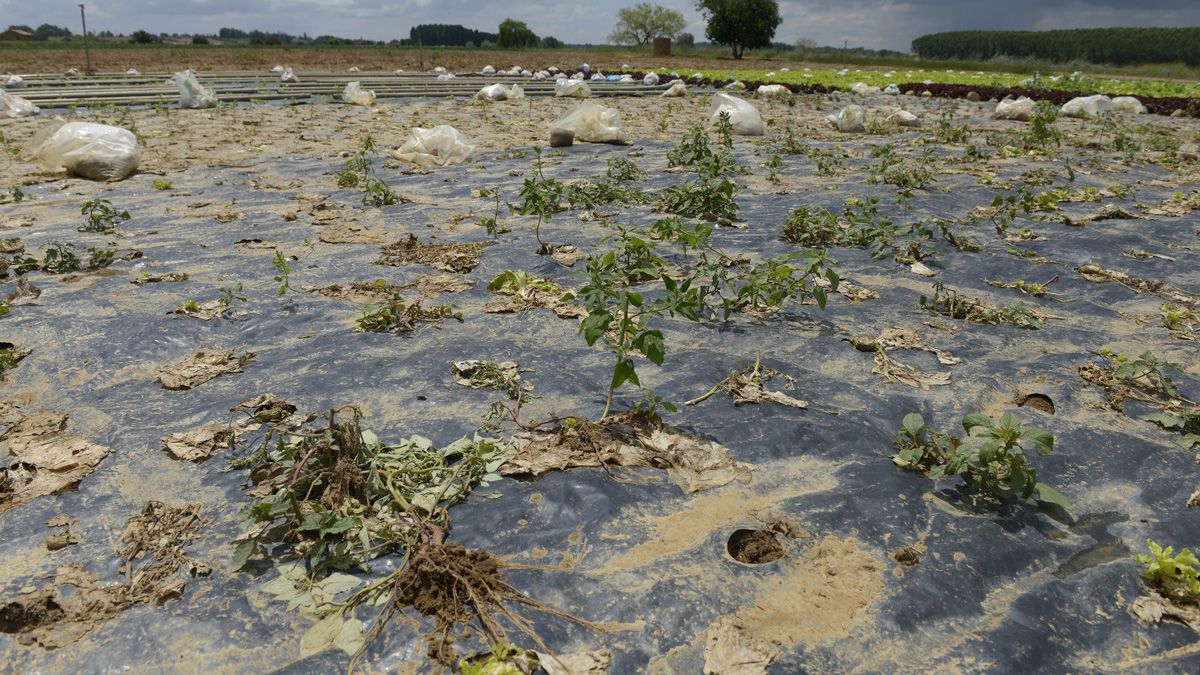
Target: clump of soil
{"points": [[45, 459], [754, 547], [457, 586], [449, 257], [201, 367], [154, 566], [627, 439]]}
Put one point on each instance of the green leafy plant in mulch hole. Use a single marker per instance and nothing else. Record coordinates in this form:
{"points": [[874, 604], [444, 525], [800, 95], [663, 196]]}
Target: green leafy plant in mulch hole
{"points": [[951, 303], [539, 196], [710, 195], [358, 172], [1147, 379], [336, 498], [1175, 576], [632, 286], [991, 458], [101, 216]]}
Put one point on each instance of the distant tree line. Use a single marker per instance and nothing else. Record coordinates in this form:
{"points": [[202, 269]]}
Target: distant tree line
{"points": [[1117, 46], [449, 35], [44, 31]]}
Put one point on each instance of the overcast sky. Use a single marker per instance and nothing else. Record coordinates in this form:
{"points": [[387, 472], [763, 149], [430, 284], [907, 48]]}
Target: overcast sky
{"points": [[890, 24]]}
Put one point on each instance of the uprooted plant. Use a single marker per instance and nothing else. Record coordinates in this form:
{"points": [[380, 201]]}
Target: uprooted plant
{"points": [[991, 458], [336, 498]]}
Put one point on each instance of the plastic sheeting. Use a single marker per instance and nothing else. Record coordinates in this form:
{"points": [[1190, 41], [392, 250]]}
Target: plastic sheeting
{"points": [[742, 114], [593, 123], [96, 151], [439, 146]]}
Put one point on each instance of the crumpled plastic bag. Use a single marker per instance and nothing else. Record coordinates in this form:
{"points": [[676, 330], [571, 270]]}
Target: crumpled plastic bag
{"points": [[133, 72], [736, 85], [650, 79], [96, 151], [1128, 104], [444, 77], [277, 69], [903, 118], [439, 146], [14, 82], [354, 93], [499, 92], [1087, 107], [851, 118], [864, 89], [488, 70], [288, 76], [743, 115], [192, 94], [1021, 109], [677, 89], [15, 106], [575, 88], [891, 90], [773, 91], [592, 123]]}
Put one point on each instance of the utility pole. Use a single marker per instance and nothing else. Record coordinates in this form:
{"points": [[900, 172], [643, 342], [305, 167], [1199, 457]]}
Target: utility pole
{"points": [[87, 52]]}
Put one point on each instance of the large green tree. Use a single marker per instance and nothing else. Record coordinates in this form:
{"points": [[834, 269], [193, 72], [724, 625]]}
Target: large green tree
{"points": [[643, 22], [516, 34], [740, 24]]}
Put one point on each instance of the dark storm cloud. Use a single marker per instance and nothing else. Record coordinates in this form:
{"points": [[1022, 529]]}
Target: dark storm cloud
{"points": [[888, 24]]}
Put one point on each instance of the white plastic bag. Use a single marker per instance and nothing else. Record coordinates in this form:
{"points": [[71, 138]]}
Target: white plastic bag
{"points": [[352, 69], [851, 118], [133, 72], [499, 92], [677, 90], [1021, 109], [14, 82], [1128, 104], [864, 89], [651, 79], [736, 85], [439, 146], [1087, 107], [903, 118], [891, 90], [354, 93], [488, 70], [575, 88], [277, 69], [742, 114], [192, 94], [444, 77], [592, 123], [87, 149], [288, 76], [15, 106], [773, 91]]}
